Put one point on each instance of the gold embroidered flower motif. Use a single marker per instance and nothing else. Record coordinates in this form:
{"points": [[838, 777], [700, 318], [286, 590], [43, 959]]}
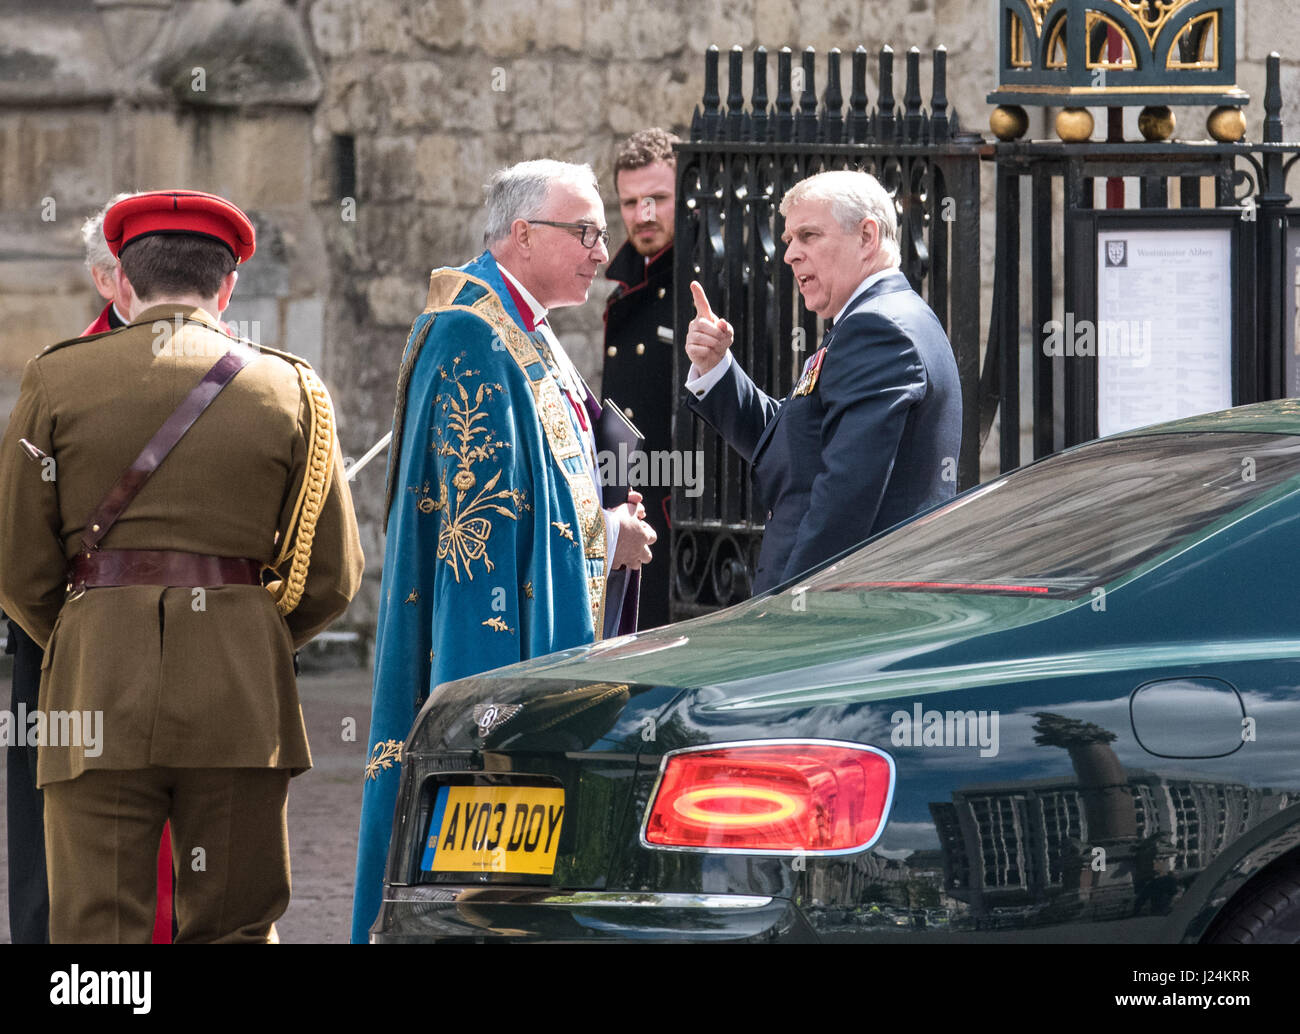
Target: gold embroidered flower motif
{"points": [[499, 624], [425, 503], [382, 756], [528, 590], [555, 418], [564, 528], [467, 525], [413, 598]]}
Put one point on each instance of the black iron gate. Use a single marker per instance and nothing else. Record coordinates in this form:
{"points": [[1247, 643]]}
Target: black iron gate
{"points": [[731, 177]]}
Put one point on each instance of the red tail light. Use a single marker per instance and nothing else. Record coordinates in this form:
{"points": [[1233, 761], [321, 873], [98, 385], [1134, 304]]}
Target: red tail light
{"points": [[775, 797]]}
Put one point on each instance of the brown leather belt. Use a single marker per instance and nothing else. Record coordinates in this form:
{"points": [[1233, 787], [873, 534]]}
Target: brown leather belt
{"points": [[104, 567]]}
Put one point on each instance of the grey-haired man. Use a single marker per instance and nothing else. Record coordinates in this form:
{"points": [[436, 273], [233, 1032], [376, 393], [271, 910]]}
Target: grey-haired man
{"points": [[870, 434], [498, 548]]}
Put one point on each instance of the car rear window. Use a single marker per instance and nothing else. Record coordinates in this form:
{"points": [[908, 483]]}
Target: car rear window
{"points": [[1073, 521]]}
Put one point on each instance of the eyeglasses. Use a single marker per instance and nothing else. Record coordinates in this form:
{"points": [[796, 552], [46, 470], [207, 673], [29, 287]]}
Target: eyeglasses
{"points": [[590, 232]]}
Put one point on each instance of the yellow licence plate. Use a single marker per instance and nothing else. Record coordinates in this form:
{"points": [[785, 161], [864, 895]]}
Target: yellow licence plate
{"points": [[494, 829]]}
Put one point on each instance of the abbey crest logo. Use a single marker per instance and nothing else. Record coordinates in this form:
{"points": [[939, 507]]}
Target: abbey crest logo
{"points": [[492, 716], [1116, 253]]}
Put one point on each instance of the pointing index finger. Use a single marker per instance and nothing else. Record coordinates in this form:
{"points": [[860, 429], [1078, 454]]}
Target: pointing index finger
{"points": [[702, 308]]}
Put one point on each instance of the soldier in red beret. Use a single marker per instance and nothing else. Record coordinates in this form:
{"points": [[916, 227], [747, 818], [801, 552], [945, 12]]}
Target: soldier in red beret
{"points": [[102, 264], [29, 897], [170, 597]]}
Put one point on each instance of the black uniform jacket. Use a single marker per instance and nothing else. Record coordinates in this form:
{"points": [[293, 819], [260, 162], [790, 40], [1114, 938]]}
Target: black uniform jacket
{"points": [[638, 375]]}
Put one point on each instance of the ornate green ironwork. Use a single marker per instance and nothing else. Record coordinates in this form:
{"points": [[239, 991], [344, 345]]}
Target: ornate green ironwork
{"points": [[1076, 53]]}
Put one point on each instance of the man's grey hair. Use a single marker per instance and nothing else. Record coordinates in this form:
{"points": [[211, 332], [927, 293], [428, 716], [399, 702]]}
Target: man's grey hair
{"points": [[92, 235], [853, 196], [519, 192]]}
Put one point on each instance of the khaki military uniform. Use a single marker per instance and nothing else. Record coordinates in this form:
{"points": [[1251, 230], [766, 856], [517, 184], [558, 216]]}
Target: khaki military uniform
{"points": [[185, 677]]}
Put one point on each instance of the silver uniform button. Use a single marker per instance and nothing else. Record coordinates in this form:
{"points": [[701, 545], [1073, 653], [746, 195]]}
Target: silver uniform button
{"points": [[640, 349], [627, 412], [662, 291], [611, 351]]}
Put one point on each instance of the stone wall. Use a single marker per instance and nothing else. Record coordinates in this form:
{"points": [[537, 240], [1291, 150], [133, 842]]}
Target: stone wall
{"points": [[358, 134]]}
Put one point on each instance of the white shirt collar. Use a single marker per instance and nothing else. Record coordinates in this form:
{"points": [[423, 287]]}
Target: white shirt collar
{"points": [[538, 312], [873, 278]]}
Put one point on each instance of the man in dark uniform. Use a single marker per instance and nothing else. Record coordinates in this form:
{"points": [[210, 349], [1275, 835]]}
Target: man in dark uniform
{"points": [[227, 541], [638, 372]]}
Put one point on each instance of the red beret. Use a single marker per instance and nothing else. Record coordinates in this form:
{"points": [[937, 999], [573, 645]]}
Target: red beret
{"points": [[179, 211]]}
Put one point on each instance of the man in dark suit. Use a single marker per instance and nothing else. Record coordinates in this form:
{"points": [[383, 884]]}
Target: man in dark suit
{"points": [[870, 434]]}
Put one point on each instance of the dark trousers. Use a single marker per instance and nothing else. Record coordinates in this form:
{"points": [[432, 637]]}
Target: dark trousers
{"points": [[29, 896]]}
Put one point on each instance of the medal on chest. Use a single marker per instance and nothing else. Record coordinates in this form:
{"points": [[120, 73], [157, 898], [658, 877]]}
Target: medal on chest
{"points": [[811, 370]]}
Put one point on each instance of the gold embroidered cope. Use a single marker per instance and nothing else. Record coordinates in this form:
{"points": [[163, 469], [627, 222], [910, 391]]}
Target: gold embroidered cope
{"points": [[464, 536]]}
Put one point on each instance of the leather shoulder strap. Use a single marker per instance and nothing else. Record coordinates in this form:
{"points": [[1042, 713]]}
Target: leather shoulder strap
{"points": [[164, 440]]}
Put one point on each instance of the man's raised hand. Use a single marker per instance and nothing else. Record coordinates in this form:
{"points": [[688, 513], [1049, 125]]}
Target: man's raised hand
{"points": [[707, 336]]}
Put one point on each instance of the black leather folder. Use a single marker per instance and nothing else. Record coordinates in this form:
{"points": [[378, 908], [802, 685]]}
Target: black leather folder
{"points": [[617, 439]]}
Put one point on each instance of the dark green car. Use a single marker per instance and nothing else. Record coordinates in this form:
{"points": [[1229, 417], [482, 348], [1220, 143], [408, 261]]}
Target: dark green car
{"points": [[1061, 707]]}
